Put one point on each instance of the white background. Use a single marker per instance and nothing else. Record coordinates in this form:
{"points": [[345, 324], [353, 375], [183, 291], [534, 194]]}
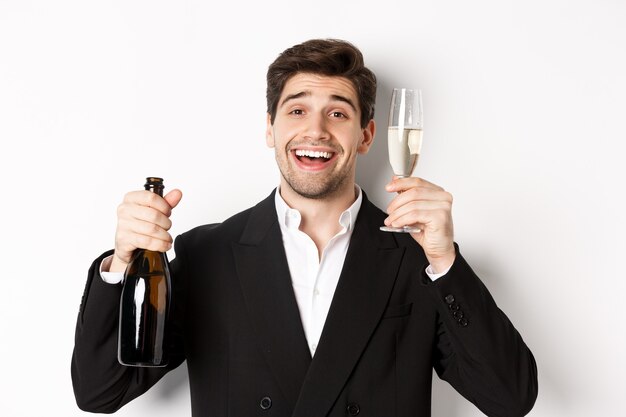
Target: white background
{"points": [[524, 111]]}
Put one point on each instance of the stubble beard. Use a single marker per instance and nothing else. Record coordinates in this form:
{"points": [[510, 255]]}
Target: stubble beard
{"points": [[316, 186]]}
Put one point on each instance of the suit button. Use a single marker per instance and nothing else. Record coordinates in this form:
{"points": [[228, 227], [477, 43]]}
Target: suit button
{"points": [[454, 306], [458, 314], [266, 403], [353, 409], [463, 322], [449, 298]]}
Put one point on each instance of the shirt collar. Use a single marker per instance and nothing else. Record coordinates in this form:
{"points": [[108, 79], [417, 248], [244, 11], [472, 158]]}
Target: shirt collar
{"points": [[290, 218]]}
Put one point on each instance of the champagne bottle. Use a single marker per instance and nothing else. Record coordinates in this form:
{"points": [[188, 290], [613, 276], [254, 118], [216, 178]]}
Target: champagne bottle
{"points": [[144, 304]]}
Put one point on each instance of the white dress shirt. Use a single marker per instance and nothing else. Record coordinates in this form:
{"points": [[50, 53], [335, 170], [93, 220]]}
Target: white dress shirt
{"points": [[314, 278]]}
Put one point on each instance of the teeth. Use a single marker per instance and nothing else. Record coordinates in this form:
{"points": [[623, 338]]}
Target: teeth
{"points": [[314, 154]]}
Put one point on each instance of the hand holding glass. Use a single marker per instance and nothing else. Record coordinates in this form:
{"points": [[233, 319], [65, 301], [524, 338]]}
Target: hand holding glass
{"points": [[404, 136]]}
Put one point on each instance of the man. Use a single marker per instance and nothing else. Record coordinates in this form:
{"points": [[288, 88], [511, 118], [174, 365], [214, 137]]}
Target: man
{"points": [[301, 306]]}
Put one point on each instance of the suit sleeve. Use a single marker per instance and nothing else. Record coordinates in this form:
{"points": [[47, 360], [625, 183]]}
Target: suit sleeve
{"points": [[100, 383], [480, 353]]}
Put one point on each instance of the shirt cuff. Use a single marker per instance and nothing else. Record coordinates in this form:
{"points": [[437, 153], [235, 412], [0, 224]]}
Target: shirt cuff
{"points": [[110, 277], [434, 276]]}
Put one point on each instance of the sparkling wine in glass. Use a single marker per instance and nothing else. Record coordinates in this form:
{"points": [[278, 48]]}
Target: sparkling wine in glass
{"points": [[404, 138]]}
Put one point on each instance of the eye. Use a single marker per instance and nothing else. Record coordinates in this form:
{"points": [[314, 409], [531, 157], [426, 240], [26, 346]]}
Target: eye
{"points": [[297, 112], [338, 115]]}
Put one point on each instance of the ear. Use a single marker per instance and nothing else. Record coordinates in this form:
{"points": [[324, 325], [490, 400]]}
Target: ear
{"points": [[269, 132], [369, 132]]}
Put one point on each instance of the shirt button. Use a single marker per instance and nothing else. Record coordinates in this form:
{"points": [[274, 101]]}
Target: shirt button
{"points": [[314, 346], [316, 292]]}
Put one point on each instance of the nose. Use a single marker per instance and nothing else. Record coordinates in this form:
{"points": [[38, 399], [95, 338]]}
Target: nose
{"points": [[316, 127]]}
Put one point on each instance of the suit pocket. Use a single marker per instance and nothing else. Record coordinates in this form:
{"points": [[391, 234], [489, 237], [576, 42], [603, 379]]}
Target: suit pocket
{"points": [[401, 310]]}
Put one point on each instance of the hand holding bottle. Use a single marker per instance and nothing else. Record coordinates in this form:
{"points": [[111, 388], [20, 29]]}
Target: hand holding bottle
{"points": [[146, 294], [143, 222]]}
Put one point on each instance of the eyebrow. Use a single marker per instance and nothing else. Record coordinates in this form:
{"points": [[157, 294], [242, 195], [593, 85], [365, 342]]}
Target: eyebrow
{"points": [[334, 97]]}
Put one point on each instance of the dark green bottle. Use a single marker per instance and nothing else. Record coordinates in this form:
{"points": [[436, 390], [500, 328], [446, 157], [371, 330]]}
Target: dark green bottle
{"points": [[144, 304]]}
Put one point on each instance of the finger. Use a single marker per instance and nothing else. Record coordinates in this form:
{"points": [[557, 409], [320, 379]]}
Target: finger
{"points": [[146, 228], [126, 242], [419, 194], [173, 197], [150, 243], [402, 184], [422, 212], [135, 212], [149, 199]]}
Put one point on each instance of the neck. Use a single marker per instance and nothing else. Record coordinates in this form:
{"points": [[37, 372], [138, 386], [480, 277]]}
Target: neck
{"points": [[320, 217]]}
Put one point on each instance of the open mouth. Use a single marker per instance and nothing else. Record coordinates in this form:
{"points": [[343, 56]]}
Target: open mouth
{"points": [[312, 155], [311, 159]]}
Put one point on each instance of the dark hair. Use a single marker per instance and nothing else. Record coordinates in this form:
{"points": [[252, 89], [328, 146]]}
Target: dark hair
{"points": [[329, 57]]}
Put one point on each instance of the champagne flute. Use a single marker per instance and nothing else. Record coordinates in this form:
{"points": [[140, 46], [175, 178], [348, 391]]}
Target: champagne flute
{"points": [[404, 137]]}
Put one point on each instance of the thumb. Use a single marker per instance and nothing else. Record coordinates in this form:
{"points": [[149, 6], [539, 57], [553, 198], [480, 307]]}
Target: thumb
{"points": [[173, 197]]}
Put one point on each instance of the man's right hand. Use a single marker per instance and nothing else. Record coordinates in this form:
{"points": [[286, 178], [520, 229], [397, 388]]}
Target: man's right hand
{"points": [[143, 222]]}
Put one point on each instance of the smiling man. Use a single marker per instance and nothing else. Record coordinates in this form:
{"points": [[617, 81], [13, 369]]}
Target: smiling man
{"points": [[300, 306], [317, 135]]}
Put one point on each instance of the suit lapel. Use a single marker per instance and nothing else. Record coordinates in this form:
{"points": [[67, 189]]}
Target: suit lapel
{"points": [[361, 296], [265, 281]]}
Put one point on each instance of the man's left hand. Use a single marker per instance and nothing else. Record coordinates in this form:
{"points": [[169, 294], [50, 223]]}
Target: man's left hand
{"points": [[429, 207]]}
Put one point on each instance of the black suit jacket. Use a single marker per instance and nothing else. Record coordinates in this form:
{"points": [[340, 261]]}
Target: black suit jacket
{"points": [[236, 322]]}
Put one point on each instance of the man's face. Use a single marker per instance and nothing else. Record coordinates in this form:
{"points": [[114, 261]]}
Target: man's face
{"points": [[317, 135]]}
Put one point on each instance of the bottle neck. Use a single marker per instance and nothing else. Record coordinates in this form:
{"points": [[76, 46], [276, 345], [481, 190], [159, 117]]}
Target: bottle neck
{"points": [[155, 185]]}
